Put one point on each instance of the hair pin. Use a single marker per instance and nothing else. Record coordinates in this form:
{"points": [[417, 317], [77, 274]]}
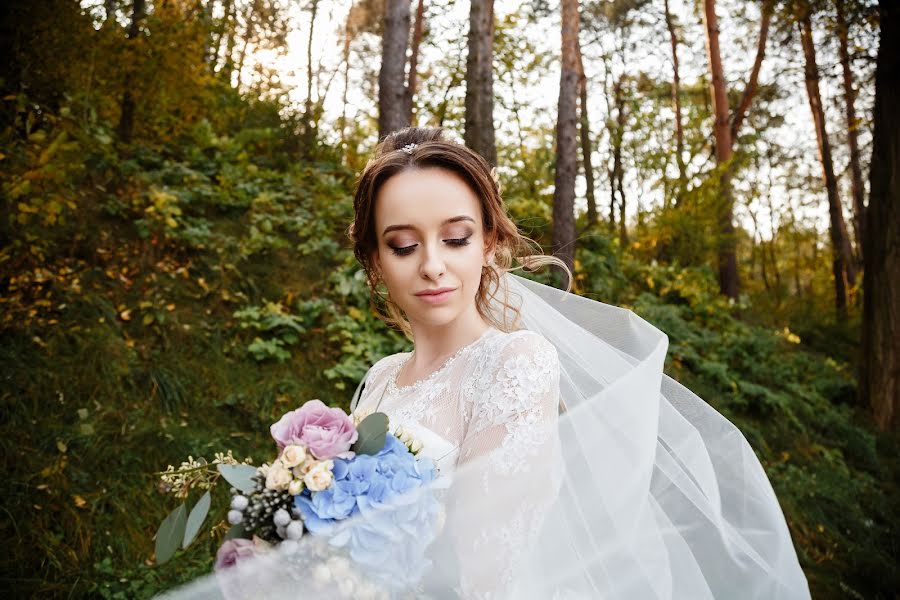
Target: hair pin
{"points": [[409, 148]]}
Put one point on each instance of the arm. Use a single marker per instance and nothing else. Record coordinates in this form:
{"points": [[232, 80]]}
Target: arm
{"points": [[509, 471]]}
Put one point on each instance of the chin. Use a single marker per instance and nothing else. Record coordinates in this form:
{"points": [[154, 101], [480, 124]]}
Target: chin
{"points": [[437, 316]]}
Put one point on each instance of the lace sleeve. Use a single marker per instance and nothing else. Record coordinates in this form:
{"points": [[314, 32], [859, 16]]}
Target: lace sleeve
{"points": [[510, 464], [371, 380]]}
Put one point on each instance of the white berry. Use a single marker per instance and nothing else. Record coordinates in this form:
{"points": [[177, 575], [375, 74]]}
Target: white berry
{"points": [[281, 518], [239, 502], [294, 530]]}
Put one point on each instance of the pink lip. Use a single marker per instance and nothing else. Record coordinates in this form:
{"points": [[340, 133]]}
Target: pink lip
{"points": [[436, 296]]}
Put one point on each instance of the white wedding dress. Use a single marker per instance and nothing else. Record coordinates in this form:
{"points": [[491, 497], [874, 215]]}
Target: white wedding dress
{"points": [[496, 398], [521, 367]]}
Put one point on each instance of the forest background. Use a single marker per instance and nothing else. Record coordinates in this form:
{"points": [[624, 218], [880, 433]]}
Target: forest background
{"points": [[175, 272]]}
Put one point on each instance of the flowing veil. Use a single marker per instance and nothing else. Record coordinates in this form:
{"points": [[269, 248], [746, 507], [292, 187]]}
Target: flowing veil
{"points": [[643, 491]]}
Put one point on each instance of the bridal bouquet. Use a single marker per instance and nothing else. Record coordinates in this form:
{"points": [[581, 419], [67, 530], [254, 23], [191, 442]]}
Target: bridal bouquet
{"points": [[346, 480]]}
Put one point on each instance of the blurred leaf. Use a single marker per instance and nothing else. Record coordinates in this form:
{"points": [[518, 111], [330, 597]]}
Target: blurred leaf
{"points": [[239, 476], [372, 431], [195, 519], [170, 534]]}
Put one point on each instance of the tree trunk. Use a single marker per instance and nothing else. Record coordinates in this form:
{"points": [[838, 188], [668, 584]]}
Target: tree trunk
{"points": [[727, 260], [773, 256], [879, 381], [750, 90], [584, 131], [343, 122], [841, 257], [456, 77], [566, 145], [126, 117], [623, 229], [392, 114], [313, 8], [856, 180], [676, 103], [479, 134], [616, 175], [414, 60], [309, 128]]}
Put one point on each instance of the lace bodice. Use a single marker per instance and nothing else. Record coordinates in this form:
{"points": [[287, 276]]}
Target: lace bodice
{"points": [[495, 404]]}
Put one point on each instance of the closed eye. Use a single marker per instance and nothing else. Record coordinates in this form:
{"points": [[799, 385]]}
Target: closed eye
{"points": [[408, 249]]}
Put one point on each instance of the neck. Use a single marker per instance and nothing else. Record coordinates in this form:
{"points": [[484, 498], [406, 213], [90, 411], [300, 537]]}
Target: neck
{"points": [[435, 343]]}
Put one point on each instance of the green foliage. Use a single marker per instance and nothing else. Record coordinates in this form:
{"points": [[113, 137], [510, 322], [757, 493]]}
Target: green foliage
{"points": [[170, 534], [284, 330], [372, 431]]}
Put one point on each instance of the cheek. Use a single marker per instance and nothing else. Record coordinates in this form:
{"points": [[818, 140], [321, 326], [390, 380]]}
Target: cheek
{"points": [[473, 268]]}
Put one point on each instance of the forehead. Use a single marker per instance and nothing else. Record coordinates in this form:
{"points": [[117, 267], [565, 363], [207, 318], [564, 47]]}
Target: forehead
{"points": [[424, 198]]}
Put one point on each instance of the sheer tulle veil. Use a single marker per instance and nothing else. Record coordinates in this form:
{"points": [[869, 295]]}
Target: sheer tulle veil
{"points": [[648, 492]]}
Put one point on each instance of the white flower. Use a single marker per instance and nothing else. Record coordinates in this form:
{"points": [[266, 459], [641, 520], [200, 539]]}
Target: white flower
{"points": [[415, 446], [305, 468], [239, 502], [295, 487], [359, 415], [235, 517], [278, 478], [293, 455], [319, 476]]}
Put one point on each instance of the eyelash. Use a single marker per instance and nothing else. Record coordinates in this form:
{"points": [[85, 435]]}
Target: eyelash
{"points": [[408, 249]]}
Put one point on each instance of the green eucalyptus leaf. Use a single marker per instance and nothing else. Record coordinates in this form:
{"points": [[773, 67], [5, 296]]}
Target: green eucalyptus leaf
{"points": [[195, 519], [239, 476], [372, 431], [170, 534]]}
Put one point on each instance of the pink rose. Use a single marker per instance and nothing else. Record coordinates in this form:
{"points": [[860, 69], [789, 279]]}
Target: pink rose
{"points": [[326, 432], [234, 551]]}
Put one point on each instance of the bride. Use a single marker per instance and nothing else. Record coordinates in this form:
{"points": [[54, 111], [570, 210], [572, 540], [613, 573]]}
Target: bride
{"points": [[569, 465]]}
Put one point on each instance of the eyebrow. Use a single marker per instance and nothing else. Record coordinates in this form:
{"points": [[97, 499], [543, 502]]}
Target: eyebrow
{"points": [[445, 222]]}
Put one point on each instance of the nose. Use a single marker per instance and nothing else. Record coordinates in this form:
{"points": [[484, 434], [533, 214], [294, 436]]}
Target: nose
{"points": [[432, 266]]}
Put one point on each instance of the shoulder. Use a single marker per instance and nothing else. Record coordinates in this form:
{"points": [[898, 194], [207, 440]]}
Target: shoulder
{"points": [[520, 376], [526, 345], [521, 354], [384, 364]]}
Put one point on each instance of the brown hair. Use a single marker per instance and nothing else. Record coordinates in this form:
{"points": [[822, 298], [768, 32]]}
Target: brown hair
{"points": [[501, 234]]}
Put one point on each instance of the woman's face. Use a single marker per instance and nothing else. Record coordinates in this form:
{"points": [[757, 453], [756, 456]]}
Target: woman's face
{"points": [[430, 236]]}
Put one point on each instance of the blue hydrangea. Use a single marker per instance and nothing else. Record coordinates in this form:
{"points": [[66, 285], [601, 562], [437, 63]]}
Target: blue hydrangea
{"points": [[388, 523]]}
